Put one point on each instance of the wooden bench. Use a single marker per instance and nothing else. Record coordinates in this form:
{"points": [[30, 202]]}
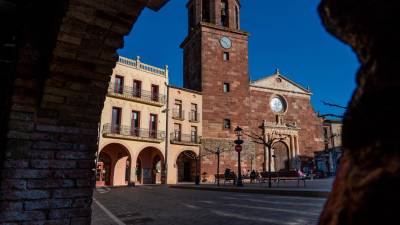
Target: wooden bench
{"points": [[218, 176], [264, 176], [291, 175], [231, 177]]}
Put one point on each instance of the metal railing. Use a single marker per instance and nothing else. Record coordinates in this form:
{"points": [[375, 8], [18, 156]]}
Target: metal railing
{"points": [[178, 137], [178, 114], [194, 116], [132, 132], [130, 92]]}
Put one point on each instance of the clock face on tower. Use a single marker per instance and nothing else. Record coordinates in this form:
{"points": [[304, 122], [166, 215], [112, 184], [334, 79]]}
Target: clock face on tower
{"points": [[225, 42]]}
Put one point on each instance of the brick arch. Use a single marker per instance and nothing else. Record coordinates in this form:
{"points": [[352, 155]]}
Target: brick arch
{"points": [[55, 93]]}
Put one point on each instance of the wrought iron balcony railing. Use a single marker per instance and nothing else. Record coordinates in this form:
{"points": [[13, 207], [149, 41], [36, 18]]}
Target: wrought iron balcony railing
{"points": [[178, 137], [133, 133], [135, 94], [178, 114], [194, 116]]}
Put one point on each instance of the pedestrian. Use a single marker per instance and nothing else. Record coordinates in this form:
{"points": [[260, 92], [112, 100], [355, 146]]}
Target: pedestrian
{"points": [[252, 176]]}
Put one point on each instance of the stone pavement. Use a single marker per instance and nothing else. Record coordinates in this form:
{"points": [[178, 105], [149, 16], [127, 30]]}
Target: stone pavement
{"points": [[313, 188], [160, 205]]}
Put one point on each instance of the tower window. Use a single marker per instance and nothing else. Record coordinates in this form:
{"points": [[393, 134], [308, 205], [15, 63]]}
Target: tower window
{"points": [[224, 13], [226, 56], [206, 11], [237, 17], [191, 18], [227, 87], [227, 124]]}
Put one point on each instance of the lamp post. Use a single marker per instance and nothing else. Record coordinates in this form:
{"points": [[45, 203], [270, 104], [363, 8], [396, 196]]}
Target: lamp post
{"points": [[218, 153], [238, 149]]}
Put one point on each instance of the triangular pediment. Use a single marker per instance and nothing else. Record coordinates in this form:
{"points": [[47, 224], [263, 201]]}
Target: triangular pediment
{"points": [[279, 82]]}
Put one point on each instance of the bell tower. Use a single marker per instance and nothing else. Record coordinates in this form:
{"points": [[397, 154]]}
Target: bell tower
{"points": [[216, 64]]}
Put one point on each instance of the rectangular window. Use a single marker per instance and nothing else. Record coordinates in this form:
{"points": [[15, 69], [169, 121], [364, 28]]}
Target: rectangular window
{"points": [[137, 88], [116, 120], [193, 136], [153, 126], [224, 13], [227, 124], [226, 56], [178, 109], [177, 132], [227, 87], [193, 112], [206, 11], [119, 85], [135, 123], [154, 93], [237, 17]]}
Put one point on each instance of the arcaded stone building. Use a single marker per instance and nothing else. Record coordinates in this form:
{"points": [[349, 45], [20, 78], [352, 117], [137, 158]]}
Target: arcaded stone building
{"points": [[216, 64], [132, 131]]}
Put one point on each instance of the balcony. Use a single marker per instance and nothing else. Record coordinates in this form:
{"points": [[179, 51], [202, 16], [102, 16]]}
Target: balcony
{"points": [[185, 139], [194, 117], [142, 96], [178, 114], [127, 132]]}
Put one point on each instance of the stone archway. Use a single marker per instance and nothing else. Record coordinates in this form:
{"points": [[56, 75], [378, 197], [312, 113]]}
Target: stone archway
{"points": [[186, 166], [151, 167], [281, 156], [116, 162], [53, 90]]}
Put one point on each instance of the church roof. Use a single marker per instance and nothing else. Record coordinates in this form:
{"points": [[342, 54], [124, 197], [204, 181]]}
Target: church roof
{"points": [[279, 82]]}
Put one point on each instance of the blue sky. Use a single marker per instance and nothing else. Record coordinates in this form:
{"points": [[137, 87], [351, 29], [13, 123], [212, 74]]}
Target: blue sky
{"points": [[285, 34]]}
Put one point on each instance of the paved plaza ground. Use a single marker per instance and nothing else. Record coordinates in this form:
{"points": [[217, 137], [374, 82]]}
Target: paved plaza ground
{"points": [[160, 205]]}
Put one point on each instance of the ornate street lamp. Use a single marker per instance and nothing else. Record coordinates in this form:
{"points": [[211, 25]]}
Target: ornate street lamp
{"points": [[218, 153], [238, 149]]}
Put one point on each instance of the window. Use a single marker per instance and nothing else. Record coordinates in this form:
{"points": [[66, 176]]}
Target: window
{"points": [[177, 132], [237, 17], [193, 112], [119, 85], [116, 120], [154, 93], [226, 56], [226, 87], [153, 126], [227, 124], [224, 13], [177, 113], [193, 136], [206, 11], [135, 123], [191, 18], [137, 88]]}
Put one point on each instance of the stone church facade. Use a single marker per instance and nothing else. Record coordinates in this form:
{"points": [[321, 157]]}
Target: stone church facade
{"points": [[216, 64]]}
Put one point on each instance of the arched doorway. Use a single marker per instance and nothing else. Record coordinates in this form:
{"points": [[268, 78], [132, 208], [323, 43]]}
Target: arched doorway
{"points": [[186, 166], [103, 174], [281, 156], [113, 167], [150, 166]]}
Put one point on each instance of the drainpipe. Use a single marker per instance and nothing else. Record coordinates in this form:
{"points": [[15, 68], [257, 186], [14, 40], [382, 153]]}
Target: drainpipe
{"points": [[166, 134]]}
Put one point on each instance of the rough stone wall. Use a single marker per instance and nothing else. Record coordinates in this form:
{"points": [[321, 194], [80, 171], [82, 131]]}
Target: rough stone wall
{"points": [[65, 59], [366, 189]]}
